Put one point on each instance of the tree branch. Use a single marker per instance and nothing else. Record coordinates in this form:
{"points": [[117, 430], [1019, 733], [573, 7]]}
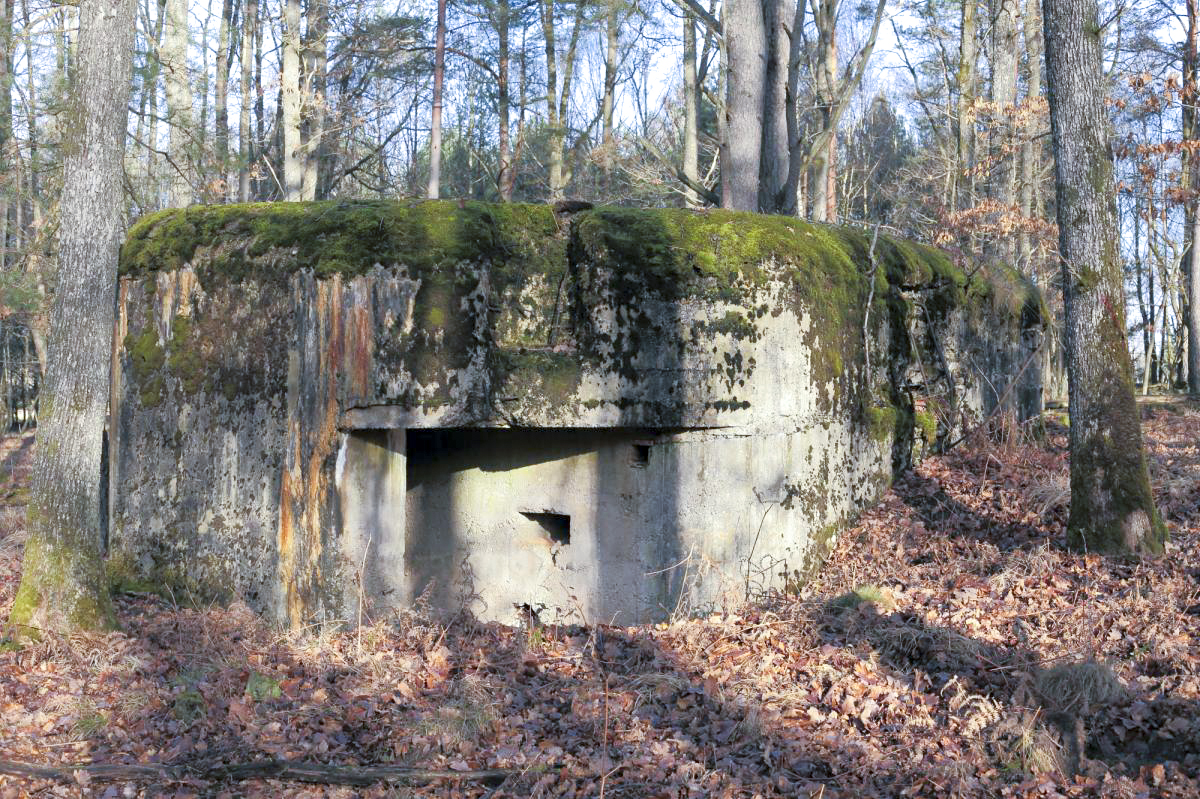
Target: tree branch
{"points": [[702, 14], [298, 771]]}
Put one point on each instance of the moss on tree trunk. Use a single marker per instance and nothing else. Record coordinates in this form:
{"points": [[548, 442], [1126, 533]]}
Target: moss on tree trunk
{"points": [[63, 585], [1112, 507]]}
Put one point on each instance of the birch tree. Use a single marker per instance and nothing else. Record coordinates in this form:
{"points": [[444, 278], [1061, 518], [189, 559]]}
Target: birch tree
{"points": [[63, 584]]}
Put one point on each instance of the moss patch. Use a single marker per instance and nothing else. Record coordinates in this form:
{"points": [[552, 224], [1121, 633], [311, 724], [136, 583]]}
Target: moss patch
{"points": [[927, 423], [264, 240], [553, 376], [62, 587], [146, 359]]}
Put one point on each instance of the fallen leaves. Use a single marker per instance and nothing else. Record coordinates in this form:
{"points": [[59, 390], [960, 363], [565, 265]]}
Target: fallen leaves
{"points": [[947, 649]]}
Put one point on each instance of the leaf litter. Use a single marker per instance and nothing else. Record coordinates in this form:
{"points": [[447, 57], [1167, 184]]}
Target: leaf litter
{"points": [[950, 647]]}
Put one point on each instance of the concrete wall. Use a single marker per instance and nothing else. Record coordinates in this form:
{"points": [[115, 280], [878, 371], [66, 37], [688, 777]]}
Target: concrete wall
{"points": [[709, 398]]}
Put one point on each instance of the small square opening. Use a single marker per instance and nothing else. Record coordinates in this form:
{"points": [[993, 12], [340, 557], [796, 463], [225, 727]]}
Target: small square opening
{"points": [[556, 525], [641, 454]]}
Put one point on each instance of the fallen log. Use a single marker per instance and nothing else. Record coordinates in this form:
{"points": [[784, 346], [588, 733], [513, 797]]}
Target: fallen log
{"points": [[294, 770]]}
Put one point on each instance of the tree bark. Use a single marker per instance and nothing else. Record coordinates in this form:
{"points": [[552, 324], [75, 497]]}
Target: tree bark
{"points": [[1191, 65], [1031, 150], [435, 133], [745, 35], [312, 97], [1112, 508], [63, 584], [558, 97], [1002, 181], [833, 93], [691, 136], [612, 32], [505, 170], [964, 192], [7, 146], [179, 101], [246, 148], [221, 98], [293, 166], [773, 167]]}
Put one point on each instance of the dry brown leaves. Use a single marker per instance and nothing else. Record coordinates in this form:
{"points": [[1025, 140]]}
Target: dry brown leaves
{"points": [[950, 648]]}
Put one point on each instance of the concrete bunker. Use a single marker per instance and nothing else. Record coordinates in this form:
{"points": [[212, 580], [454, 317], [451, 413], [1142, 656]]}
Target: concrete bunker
{"points": [[333, 409], [560, 520]]}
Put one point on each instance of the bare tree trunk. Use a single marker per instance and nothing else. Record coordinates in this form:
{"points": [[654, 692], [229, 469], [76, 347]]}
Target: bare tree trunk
{"points": [[833, 94], [691, 136], [558, 97], [1112, 507], [201, 132], [506, 170], [435, 135], [260, 127], [745, 35], [1002, 182], [312, 96], [293, 166], [797, 165], [1191, 65], [724, 154], [63, 584], [552, 121], [246, 149], [221, 100], [964, 193], [827, 69], [154, 73], [7, 148], [1031, 150], [179, 101], [31, 99], [1143, 308], [773, 167], [611, 41]]}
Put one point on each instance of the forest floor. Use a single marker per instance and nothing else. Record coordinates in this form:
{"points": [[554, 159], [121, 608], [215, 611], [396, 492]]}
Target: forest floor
{"points": [[951, 647]]}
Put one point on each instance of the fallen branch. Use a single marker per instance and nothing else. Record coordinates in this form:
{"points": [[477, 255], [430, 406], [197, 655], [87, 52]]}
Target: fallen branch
{"points": [[298, 771]]}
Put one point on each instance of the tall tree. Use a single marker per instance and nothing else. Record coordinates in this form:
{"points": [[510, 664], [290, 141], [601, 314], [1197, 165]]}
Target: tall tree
{"points": [[7, 148], [558, 90], [1191, 131], [63, 585], [221, 97], [293, 165], [968, 59], [1112, 508], [249, 89], [691, 98], [435, 136], [179, 100], [1002, 178], [834, 89], [745, 41], [1031, 151], [313, 103]]}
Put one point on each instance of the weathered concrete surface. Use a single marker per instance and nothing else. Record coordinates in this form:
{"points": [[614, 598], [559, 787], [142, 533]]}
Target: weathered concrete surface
{"points": [[329, 409]]}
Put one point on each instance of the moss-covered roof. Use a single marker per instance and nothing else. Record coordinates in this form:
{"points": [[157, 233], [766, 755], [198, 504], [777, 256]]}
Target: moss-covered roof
{"points": [[676, 248], [338, 237], [675, 252]]}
